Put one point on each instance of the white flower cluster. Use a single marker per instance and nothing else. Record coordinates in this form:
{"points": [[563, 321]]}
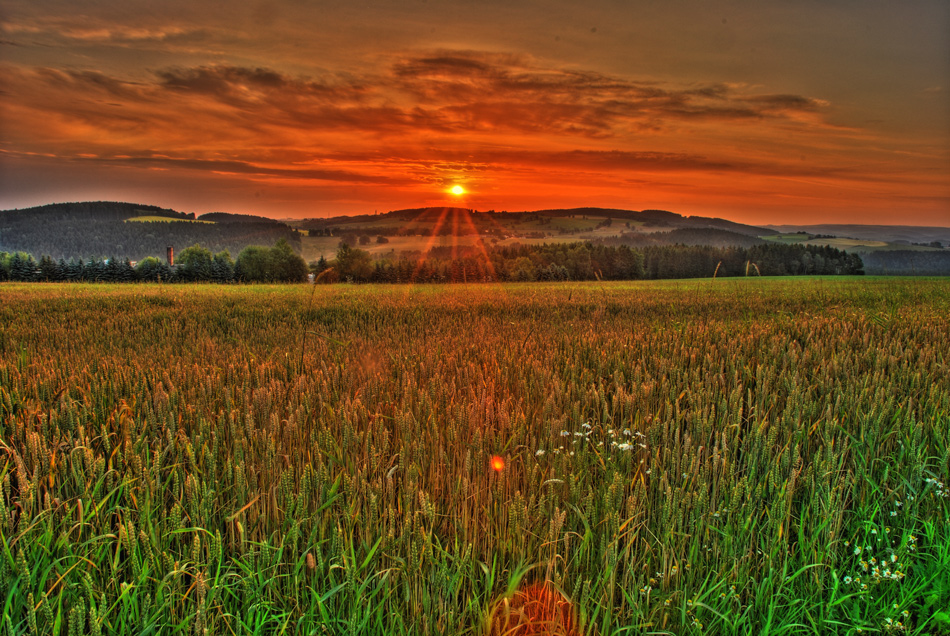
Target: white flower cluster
{"points": [[940, 490], [891, 626], [638, 440]]}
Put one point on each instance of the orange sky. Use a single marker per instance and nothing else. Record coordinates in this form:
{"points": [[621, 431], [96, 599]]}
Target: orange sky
{"points": [[766, 112]]}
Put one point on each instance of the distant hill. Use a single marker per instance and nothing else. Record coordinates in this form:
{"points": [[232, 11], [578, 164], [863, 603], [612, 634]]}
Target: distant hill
{"points": [[102, 229], [899, 250], [661, 219], [691, 236], [463, 221], [909, 234], [226, 217], [907, 263], [98, 229], [92, 210]]}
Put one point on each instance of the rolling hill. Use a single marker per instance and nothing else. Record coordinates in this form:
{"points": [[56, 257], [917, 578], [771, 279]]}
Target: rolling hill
{"points": [[889, 234], [99, 229], [129, 230]]}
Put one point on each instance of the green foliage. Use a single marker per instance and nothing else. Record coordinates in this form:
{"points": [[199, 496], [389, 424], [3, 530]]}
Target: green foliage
{"points": [[195, 264], [289, 267], [49, 270], [153, 270], [522, 269], [556, 262], [22, 267], [592, 261], [353, 264], [318, 266], [278, 264], [222, 267], [709, 457], [254, 264]]}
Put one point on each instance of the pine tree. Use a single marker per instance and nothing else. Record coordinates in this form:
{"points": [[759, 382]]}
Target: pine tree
{"points": [[112, 271], [49, 270], [22, 267], [94, 271], [222, 268], [72, 271], [126, 272]]}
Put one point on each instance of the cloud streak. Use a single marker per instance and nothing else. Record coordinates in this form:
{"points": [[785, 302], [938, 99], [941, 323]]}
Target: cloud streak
{"points": [[423, 120], [460, 93]]}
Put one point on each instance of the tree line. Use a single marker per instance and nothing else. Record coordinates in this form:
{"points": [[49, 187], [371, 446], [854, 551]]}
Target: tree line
{"points": [[522, 263], [277, 264], [586, 261]]}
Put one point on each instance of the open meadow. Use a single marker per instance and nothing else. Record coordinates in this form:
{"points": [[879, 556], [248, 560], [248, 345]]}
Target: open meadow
{"points": [[732, 456]]}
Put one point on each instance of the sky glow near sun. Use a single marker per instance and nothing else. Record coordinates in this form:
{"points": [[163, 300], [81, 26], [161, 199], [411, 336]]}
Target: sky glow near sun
{"points": [[766, 112]]}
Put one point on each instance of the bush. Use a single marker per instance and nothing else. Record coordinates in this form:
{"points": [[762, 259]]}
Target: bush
{"points": [[152, 269], [278, 264], [194, 263]]}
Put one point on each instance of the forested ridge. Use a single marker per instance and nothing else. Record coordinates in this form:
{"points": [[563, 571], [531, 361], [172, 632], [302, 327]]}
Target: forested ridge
{"points": [[456, 221], [98, 241], [101, 229]]}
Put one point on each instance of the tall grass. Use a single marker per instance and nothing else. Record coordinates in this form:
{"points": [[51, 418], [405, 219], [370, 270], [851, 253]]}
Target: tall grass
{"points": [[717, 457]]}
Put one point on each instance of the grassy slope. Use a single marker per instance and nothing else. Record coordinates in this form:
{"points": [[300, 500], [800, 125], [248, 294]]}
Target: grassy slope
{"points": [[163, 219], [238, 459], [847, 244]]}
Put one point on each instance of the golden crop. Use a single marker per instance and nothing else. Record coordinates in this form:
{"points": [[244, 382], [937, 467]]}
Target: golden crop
{"points": [[705, 457]]}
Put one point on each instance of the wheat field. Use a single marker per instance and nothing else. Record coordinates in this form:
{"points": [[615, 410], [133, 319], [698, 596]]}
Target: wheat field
{"points": [[765, 456]]}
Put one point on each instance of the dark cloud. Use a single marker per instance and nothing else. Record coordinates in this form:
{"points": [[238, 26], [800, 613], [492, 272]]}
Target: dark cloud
{"points": [[235, 83], [262, 123], [442, 65], [249, 169], [616, 161], [785, 102], [568, 101], [240, 167], [219, 79], [444, 93], [581, 162], [88, 83], [100, 82]]}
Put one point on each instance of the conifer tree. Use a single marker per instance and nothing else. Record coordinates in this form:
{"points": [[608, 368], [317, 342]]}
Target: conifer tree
{"points": [[23, 267]]}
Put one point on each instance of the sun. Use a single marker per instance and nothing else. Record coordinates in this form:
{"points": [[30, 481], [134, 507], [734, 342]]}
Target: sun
{"points": [[457, 190]]}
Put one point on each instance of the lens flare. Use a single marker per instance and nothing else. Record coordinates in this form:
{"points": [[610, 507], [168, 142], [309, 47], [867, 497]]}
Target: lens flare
{"points": [[497, 463], [538, 609]]}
